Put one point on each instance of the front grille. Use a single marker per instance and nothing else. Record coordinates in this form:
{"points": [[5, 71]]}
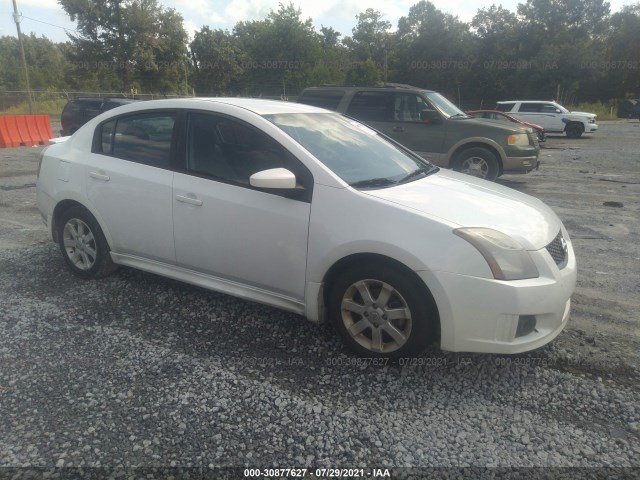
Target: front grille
{"points": [[558, 250], [533, 139]]}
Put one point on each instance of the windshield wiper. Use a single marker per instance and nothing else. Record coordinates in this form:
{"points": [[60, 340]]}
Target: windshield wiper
{"points": [[416, 173], [460, 115], [373, 182]]}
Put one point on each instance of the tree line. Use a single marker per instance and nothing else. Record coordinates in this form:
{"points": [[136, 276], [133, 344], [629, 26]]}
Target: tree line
{"points": [[570, 50]]}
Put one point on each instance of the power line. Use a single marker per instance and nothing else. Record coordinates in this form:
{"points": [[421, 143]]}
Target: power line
{"points": [[51, 24]]}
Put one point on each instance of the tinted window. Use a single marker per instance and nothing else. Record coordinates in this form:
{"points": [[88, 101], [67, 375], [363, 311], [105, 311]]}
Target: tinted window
{"points": [[144, 138], [91, 109], [530, 107], [550, 109], [504, 107], [106, 134], [229, 150], [372, 106], [328, 99]]}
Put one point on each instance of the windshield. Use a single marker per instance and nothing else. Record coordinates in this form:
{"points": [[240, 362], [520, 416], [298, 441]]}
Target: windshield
{"points": [[357, 154], [444, 106]]}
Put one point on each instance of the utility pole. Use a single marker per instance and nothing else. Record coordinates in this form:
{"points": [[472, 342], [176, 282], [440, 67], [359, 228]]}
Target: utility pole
{"points": [[18, 18], [385, 45]]}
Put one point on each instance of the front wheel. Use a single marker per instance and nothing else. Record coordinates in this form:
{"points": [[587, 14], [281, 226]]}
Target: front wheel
{"points": [[381, 312], [574, 130], [478, 162], [82, 243]]}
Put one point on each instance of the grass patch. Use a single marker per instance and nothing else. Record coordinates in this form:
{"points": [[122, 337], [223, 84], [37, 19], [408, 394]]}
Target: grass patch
{"points": [[51, 107], [604, 111]]}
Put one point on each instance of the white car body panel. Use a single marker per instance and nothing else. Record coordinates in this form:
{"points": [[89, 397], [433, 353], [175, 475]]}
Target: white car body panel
{"points": [[276, 250], [553, 122], [135, 202], [219, 236]]}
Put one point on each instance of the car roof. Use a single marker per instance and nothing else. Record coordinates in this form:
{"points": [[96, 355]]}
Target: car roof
{"points": [[255, 105], [385, 87], [527, 101], [105, 99], [489, 111]]}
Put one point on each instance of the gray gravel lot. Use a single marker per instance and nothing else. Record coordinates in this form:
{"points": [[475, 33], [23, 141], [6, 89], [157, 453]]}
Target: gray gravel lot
{"points": [[139, 371]]}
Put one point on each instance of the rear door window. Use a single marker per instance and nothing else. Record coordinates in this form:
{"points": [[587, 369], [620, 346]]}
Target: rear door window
{"points": [[505, 107], [329, 99], [142, 138], [530, 108], [372, 106]]}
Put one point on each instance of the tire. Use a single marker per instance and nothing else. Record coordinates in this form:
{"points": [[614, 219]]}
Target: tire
{"points": [[364, 321], [574, 130], [478, 162], [82, 243]]}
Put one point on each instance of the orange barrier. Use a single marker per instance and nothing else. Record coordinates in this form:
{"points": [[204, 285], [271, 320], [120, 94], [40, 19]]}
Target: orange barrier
{"points": [[25, 130]]}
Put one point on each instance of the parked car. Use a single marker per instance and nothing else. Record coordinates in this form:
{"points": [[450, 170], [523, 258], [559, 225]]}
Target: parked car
{"points": [[554, 118], [79, 111], [429, 124], [629, 108], [312, 212], [503, 117]]}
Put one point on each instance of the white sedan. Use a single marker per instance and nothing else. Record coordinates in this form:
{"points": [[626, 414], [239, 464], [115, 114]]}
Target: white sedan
{"points": [[312, 212]]}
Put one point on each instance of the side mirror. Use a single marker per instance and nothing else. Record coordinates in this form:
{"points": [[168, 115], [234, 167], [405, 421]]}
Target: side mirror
{"points": [[274, 178], [430, 116]]}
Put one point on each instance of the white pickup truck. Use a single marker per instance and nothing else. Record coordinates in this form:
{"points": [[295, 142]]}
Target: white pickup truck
{"points": [[552, 116]]}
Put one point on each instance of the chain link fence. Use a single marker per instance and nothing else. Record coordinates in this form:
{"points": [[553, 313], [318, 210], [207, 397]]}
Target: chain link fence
{"points": [[18, 102]]}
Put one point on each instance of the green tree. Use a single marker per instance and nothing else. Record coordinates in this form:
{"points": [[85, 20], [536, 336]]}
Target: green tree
{"points": [[622, 62], [436, 49], [370, 37], [281, 50], [498, 56], [45, 61], [560, 37], [217, 61], [140, 41]]}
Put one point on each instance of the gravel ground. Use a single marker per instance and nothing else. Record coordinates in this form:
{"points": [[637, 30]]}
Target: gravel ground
{"points": [[140, 371]]}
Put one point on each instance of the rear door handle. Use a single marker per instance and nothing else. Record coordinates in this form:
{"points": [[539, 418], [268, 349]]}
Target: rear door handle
{"points": [[190, 198], [100, 176], [397, 129]]}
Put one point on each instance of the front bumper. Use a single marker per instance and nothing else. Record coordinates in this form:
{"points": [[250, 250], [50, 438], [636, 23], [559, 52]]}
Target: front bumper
{"points": [[520, 164], [482, 314], [590, 127]]}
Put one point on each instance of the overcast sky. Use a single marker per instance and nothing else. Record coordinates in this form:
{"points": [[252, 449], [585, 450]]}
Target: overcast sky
{"points": [[339, 14]]}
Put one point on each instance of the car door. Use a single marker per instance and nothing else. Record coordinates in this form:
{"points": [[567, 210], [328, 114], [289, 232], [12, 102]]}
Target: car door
{"points": [[129, 183], [228, 229], [552, 116], [540, 114], [398, 116]]}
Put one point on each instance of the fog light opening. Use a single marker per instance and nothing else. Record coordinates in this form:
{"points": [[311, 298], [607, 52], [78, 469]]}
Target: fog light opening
{"points": [[526, 325]]}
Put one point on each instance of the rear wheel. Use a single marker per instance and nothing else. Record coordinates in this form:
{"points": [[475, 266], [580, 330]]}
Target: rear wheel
{"points": [[574, 130], [478, 162], [381, 312], [82, 243]]}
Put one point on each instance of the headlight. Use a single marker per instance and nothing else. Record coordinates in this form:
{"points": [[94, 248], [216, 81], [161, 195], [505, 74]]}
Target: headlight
{"points": [[518, 139], [507, 259]]}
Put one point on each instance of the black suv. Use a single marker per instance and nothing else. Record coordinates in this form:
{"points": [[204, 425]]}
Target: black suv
{"points": [[79, 111]]}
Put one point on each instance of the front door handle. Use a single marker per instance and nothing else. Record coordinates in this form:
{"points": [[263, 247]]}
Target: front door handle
{"points": [[190, 198], [397, 129], [100, 175]]}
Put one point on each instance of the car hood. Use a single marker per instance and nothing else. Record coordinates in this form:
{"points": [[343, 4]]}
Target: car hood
{"points": [[585, 114], [470, 202]]}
